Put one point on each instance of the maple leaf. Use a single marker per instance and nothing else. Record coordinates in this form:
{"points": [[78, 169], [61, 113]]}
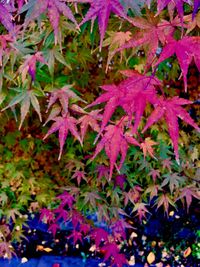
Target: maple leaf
{"points": [[25, 98], [89, 119], [171, 109], [174, 181], [85, 228], [154, 173], [135, 5], [29, 66], [64, 124], [53, 228], [132, 94], [77, 218], [77, 236], [6, 249], [66, 199], [153, 190], [167, 164], [114, 41], [6, 17], [103, 171], [172, 4], [79, 175], [101, 9], [99, 235], [63, 95], [91, 198], [152, 32], [196, 7], [188, 192], [119, 227], [141, 210], [146, 146], [115, 142], [192, 23], [186, 50], [47, 214], [62, 213], [164, 200], [53, 8]]}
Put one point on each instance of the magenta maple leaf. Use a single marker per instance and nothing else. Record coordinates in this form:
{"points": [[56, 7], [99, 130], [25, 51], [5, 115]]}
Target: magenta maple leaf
{"points": [[186, 50], [115, 142], [120, 227], [113, 253], [101, 9], [6, 17], [47, 214], [171, 110], [53, 9], [64, 124], [66, 199], [77, 236], [132, 94], [62, 213], [85, 228], [77, 218], [188, 192], [99, 235]]}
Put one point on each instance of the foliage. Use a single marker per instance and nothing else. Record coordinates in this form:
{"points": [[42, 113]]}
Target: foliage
{"points": [[138, 149]]}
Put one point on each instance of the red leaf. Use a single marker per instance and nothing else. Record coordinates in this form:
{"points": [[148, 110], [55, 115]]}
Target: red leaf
{"points": [[77, 236], [53, 228]]}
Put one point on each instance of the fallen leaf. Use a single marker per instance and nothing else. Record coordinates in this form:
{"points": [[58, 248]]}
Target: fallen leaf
{"points": [[187, 252], [151, 258]]}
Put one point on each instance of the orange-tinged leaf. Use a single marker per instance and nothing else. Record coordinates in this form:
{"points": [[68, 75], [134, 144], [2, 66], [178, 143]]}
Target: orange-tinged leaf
{"points": [[187, 252], [151, 258], [147, 147]]}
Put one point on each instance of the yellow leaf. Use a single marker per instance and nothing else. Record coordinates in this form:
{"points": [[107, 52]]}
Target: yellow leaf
{"points": [[151, 258], [187, 252]]}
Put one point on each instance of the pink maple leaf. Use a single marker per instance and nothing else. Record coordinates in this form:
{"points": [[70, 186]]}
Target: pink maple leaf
{"points": [[155, 174], [186, 50], [115, 142], [85, 228], [53, 228], [171, 110], [62, 213], [77, 218], [64, 124], [47, 214], [79, 175], [112, 252], [101, 9], [77, 236], [66, 199], [63, 95], [99, 235]]}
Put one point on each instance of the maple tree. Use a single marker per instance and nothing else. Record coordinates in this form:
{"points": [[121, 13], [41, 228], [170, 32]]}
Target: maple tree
{"points": [[103, 73]]}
